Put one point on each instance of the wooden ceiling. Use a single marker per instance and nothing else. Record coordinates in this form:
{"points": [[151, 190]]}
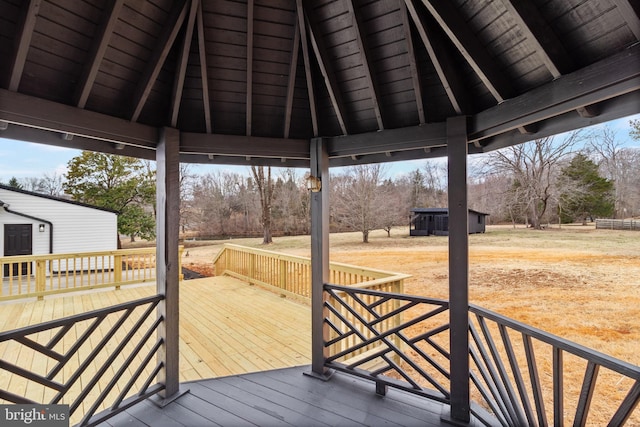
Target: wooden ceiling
{"points": [[252, 81]]}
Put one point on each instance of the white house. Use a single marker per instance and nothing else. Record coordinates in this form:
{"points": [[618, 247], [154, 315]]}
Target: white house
{"points": [[36, 224]]}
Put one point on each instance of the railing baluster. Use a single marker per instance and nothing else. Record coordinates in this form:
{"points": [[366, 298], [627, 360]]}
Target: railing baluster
{"points": [[558, 388], [586, 393], [627, 406], [534, 378]]}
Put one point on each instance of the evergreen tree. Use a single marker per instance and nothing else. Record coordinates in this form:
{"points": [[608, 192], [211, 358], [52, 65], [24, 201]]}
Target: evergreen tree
{"points": [[13, 182], [586, 194]]}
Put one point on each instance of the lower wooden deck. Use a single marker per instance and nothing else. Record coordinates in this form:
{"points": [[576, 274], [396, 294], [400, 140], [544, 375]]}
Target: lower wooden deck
{"points": [[285, 397]]}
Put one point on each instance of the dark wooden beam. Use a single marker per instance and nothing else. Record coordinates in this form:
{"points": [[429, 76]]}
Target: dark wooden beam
{"points": [[458, 268], [320, 200], [393, 140], [249, 64], [360, 39], [537, 31], [165, 42], [611, 109], [291, 85], [588, 111], [167, 259], [442, 64], [328, 76], [204, 75], [48, 137], [448, 17], [609, 78], [242, 161], [39, 113], [413, 65], [302, 26], [22, 42], [97, 52], [240, 145], [629, 15], [181, 71]]}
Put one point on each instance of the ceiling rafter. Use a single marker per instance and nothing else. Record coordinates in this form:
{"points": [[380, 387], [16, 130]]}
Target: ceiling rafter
{"points": [[23, 40], [470, 47], [442, 64], [413, 65], [165, 42], [204, 75], [629, 15], [328, 76], [291, 85], [249, 64], [178, 82], [360, 39], [302, 27], [538, 33], [97, 52]]}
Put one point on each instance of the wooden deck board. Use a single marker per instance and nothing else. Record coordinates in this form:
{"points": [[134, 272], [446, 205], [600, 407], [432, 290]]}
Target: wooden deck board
{"points": [[286, 397]]}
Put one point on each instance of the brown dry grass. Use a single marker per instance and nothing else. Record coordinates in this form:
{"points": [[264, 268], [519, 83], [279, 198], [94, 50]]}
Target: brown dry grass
{"points": [[576, 282]]}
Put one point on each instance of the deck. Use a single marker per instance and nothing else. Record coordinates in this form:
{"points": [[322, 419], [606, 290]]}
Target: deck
{"points": [[285, 397], [227, 327]]}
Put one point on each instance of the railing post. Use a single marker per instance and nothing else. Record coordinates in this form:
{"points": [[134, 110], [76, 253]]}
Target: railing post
{"points": [[117, 269], [167, 273], [319, 254], [41, 277], [458, 268]]}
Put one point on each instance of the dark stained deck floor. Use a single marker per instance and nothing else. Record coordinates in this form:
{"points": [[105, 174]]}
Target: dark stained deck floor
{"points": [[285, 397]]}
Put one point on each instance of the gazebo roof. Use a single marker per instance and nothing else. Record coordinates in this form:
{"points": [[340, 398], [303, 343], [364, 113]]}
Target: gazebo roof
{"points": [[251, 82]]}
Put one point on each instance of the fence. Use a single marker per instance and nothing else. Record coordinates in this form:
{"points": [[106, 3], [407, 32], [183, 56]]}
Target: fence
{"points": [[39, 275], [618, 224]]}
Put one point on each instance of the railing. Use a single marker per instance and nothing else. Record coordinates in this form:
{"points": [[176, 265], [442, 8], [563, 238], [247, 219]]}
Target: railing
{"points": [[413, 354], [40, 275], [106, 358], [291, 275], [519, 386]]}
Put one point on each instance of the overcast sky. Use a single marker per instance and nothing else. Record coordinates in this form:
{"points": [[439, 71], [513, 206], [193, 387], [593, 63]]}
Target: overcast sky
{"points": [[22, 160]]}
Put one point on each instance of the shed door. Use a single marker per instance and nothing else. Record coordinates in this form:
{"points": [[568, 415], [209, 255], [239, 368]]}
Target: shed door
{"points": [[17, 241]]}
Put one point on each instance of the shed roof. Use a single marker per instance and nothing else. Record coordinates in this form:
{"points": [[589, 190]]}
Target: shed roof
{"points": [[441, 211], [57, 199], [251, 82]]}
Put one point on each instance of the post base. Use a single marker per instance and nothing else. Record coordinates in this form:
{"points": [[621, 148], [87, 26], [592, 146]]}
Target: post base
{"points": [[323, 377], [161, 402]]}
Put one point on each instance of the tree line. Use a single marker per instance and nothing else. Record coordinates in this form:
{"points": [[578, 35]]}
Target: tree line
{"points": [[583, 175]]}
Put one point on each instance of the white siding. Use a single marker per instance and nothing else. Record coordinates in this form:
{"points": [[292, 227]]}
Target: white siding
{"points": [[75, 228]]}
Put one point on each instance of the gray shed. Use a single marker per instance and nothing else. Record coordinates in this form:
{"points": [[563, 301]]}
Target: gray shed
{"points": [[428, 221]]}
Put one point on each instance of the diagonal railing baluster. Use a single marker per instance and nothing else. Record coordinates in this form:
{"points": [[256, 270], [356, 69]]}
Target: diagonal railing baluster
{"points": [[40, 348], [86, 389], [517, 374], [14, 398], [491, 377], [127, 363], [134, 378], [627, 406], [59, 335], [512, 404], [480, 360], [586, 393], [493, 404], [9, 367], [534, 378]]}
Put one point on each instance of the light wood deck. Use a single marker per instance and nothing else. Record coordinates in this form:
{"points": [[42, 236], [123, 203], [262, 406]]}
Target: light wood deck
{"points": [[285, 397], [227, 327]]}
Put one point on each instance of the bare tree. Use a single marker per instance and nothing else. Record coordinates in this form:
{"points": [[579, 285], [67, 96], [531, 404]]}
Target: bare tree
{"points": [[52, 184], [622, 166], [534, 168], [358, 201], [264, 185]]}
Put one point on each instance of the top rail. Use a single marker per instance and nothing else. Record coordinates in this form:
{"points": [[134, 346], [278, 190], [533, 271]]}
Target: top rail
{"points": [[291, 275], [28, 276]]}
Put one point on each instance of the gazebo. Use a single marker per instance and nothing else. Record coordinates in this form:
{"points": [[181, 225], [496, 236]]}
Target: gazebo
{"points": [[318, 84]]}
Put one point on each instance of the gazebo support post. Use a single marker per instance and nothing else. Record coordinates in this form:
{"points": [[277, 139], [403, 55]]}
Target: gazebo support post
{"points": [[167, 261], [319, 254], [458, 270]]}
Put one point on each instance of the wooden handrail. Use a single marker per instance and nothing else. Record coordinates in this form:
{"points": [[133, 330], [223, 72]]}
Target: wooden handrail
{"points": [[27, 276]]}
